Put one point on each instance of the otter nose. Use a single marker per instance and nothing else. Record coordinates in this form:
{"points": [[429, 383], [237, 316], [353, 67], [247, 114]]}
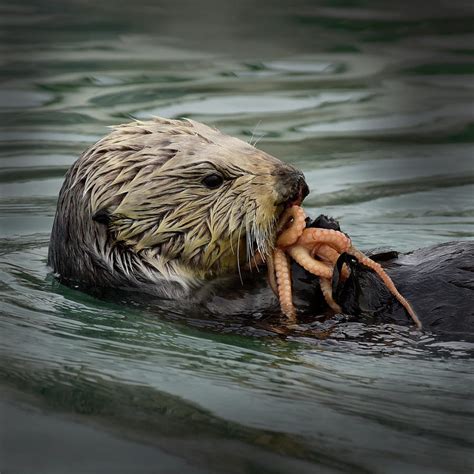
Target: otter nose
{"points": [[304, 189], [292, 188]]}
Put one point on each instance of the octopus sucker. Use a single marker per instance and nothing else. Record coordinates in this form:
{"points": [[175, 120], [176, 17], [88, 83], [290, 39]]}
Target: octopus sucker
{"points": [[317, 251]]}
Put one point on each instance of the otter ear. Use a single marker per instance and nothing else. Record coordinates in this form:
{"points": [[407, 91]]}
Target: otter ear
{"points": [[102, 216]]}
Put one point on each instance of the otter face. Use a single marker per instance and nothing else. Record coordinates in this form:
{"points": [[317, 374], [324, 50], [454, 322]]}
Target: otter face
{"points": [[180, 198]]}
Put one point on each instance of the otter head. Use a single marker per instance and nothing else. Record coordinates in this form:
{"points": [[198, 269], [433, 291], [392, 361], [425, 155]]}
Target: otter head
{"points": [[168, 204]]}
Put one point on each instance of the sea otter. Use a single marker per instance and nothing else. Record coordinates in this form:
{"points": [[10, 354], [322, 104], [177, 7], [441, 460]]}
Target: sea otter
{"points": [[179, 210], [169, 207]]}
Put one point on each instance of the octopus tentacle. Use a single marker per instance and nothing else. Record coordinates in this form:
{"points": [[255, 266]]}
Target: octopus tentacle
{"points": [[317, 251], [302, 255], [283, 278], [295, 217], [366, 261], [326, 289], [337, 240], [327, 253]]}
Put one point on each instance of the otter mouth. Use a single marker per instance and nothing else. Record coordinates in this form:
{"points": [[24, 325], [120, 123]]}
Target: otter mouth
{"points": [[298, 196], [262, 241]]}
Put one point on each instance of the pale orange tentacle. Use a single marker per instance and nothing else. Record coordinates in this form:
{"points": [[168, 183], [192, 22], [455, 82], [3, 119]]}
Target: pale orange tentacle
{"points": [[304, 245], [302, 255], [295, 217], [327, 253], [337, 240], [283, 278], [366, 261], [326, 289]]}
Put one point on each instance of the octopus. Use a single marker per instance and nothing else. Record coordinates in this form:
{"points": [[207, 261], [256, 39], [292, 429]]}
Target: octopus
{"points": [[317, 251]]}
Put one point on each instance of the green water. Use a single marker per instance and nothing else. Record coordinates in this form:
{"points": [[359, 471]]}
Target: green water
{"points": [[373, 102]]}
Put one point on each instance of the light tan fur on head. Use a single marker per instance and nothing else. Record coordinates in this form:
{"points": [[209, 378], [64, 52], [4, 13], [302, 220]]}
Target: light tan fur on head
{"points": [[141, 208]]}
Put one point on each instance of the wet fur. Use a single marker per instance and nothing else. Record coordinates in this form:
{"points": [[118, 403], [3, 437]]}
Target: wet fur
{"points": [[133, 211]]}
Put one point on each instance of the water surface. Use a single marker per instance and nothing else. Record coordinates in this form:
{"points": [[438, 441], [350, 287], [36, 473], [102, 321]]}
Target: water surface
{"points": [[373, 103]]}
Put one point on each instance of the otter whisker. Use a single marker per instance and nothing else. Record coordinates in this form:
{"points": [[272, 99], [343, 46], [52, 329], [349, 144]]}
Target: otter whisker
{"points": [[238, 252], [253, 132], [248, 241], [231, 232], [258, 139], [259, 240]]}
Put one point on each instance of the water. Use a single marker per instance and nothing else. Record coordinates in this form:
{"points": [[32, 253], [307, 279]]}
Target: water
{"points": [[372, 102]]}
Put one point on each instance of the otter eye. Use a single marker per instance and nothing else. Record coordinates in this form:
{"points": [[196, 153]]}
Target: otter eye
{"points": [[212, 181]]}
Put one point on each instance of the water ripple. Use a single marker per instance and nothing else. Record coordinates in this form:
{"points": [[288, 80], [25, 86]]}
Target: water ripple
{"points": [[371, 101]]}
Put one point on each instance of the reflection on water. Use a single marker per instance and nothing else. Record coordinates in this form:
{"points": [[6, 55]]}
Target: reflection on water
{"points": [[371, 101]]}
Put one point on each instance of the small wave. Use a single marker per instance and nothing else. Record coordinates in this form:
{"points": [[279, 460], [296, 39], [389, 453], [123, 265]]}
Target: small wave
{"points": [[246, 104], [369, 192]]}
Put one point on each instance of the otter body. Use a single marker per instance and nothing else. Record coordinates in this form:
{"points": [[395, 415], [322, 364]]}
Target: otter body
{"points": [[177, 209]]}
